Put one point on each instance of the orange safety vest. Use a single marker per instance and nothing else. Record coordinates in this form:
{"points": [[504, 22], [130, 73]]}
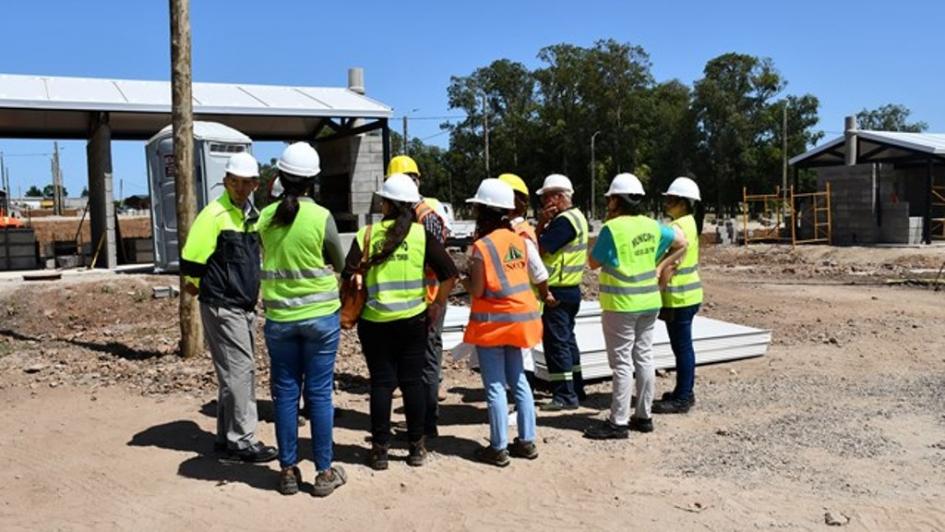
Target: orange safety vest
{"points": [[507, 313], [422, 210], [525, 230]]}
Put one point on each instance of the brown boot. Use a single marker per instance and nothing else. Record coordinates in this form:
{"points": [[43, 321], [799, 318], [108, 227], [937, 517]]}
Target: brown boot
{"points": [[290, 479], [418, 453], [377, 460]]}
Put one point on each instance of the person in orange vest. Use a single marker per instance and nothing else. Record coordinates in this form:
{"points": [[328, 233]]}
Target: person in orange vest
{"points": [[524, 229], [504, 319], [432, 216]]}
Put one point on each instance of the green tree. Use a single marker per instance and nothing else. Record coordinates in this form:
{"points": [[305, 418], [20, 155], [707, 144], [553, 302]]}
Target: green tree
{"points": [[48, 191], [889, 117], [34, 192]]}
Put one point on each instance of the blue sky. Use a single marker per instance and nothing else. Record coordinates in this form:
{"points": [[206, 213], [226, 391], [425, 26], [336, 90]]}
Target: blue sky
{"points": [[850, 54]]}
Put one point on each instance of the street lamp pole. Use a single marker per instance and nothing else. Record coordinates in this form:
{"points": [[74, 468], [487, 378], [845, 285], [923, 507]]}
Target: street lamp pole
{"points": [[593, 174]]}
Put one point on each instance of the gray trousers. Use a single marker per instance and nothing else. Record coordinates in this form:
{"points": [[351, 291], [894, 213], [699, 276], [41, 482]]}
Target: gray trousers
{"points": [[629, 340], [230, 335], [433, 372]]}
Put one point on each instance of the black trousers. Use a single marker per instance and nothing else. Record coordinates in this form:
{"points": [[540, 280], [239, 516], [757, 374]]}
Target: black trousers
{"points": [[396, 355]]}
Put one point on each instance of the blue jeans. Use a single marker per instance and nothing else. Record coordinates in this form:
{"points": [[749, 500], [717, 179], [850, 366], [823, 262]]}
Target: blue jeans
{"points": [[680, 338], [302, 353], [501, 366]]}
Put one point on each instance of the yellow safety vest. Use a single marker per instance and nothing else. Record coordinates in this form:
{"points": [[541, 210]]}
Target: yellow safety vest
{"points": [[296, 283], [632, 286], [685, 288], [566, 266], [395, 287]]}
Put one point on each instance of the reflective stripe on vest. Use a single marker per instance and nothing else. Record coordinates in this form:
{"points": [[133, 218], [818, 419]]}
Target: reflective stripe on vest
{"points": [[507, 313], [566, 266], [395, 287], [296, 282], [685, 288], [632, 286]]}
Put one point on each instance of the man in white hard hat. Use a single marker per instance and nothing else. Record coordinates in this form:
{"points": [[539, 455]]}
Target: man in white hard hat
{"points": [[220, 262], [562, 239]]}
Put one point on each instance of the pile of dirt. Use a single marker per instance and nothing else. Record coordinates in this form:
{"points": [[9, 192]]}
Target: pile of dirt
{"points": [[49, 230]]}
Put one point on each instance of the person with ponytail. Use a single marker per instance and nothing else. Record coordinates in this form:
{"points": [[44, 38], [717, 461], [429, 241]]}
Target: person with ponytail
{"points": [[394, 325], [301, 253], [682, 295]]}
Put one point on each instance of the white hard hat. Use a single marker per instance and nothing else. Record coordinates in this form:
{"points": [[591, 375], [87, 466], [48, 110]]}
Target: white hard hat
{"points": [[242, 164], [494, 193], [684, 187], [299, 159], [626, 184], [399, 187], [556, 182]]}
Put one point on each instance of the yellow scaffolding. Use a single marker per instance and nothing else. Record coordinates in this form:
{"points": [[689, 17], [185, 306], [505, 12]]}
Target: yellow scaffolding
{"points": [[938, 203], [820, 214], [774, 206]]}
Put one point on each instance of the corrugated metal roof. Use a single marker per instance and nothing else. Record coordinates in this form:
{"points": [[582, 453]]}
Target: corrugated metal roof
{"points": [[209, 131], [896, 142], [93, 94]]}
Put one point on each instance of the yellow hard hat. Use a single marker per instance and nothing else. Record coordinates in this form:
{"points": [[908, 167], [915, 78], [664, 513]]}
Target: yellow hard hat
{"points": [[402, 164], [515, 182]]}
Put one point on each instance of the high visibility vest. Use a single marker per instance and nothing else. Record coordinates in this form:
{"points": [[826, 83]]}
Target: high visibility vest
{"points": [[427, 207], [632, 286], [395, 287], [507, 313], [566, 266], [685, 288], [296, 282]]}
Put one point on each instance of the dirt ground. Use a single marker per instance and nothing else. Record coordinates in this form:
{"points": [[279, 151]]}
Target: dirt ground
{"points": [[843, 421], [53, 228]]}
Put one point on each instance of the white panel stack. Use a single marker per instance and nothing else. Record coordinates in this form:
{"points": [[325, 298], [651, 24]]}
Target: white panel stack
{"points": [[713, 341]]}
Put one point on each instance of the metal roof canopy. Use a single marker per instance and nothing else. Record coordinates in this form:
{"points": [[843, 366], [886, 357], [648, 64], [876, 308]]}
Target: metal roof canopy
{"points": [[877, 147], [65, 108]]}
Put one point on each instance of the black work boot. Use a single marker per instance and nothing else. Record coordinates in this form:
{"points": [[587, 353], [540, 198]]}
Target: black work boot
{"points": [[418, 453], [605, 430], [256, 453], [377, 459], [640, 424]]}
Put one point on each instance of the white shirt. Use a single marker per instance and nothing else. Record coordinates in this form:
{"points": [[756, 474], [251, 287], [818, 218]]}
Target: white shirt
{"points": [[536, 268]]}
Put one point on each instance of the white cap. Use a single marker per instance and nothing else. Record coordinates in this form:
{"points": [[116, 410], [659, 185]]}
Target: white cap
{"points": [[299, 159], [684, 187], [494, 193], [556, 182], [626, 184], [242, 164], [399, 187]]}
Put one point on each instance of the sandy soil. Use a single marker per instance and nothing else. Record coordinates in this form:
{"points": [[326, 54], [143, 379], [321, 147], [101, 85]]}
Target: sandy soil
{"points": [[105, 428]]}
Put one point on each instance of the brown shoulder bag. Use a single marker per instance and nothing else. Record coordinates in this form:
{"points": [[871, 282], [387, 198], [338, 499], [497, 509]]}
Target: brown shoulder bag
{"points": [[354, 290]]}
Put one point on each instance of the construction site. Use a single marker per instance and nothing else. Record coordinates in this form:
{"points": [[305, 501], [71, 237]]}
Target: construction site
{"points": [[820, 377]]}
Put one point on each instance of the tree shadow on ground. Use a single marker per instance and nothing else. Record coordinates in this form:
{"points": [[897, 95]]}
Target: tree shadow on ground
{"points": [[187, 436], [117, 349]]}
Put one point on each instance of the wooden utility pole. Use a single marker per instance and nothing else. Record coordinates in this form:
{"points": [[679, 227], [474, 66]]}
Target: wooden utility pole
{"points": [[485, 131], [182, 118]]}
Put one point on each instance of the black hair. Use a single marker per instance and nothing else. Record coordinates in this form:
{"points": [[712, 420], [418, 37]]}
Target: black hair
{"points": [[293, 187], [630, 204], [489, 219], [403, 216], [694, 208]]}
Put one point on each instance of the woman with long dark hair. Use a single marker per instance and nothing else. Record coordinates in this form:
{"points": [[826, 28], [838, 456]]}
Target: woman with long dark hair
{"points": [[396, 317], [300, 293], [682, 295]]}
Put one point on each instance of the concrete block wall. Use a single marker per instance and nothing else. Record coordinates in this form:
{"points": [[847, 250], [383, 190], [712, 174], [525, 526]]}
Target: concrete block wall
{"points": [[360, 161], [854, 207]]}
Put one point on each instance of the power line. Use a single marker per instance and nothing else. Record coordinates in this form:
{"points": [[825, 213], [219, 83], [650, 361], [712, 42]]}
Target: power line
{"points": [[445, 131], [445, 117]]}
